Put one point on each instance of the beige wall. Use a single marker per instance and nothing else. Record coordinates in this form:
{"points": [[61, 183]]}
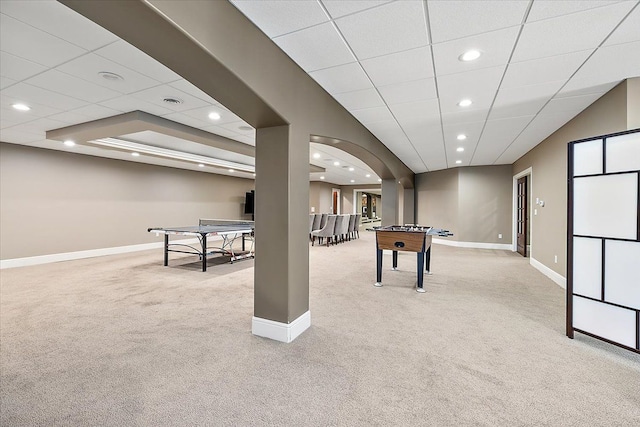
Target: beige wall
{"points": [[474, 202], [485, 195], [548, 161], [633, 103], [437, 199], [55, 202], [320, 196]]}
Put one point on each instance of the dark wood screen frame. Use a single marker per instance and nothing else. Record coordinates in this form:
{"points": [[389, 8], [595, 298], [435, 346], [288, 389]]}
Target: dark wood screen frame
{"points": [[570, 330]]}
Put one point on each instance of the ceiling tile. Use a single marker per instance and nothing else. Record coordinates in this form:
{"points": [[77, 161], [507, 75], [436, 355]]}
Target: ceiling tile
{"points": [[34, 45], [316, 47], [375, 114], [386, 29], [417, 90], [88, 66], [219, 130], [187, 87], [423, 135], [127, 103], [18, 69], [128, 56], [156, 94], [19, 136], [427, 111], [471, 130], [62, 83], [479, 86], [523, 100], [496, 137], [495, 46], [41, 125], [414, 64], [568, 33], [11, 117], [58, 20], [46, 100], [464, 116], [576, 90], [573, 104], [338, 8], [343, 78], [628, 31], [277, 17], [85, 114], [6, 82], [359, 99], [543, 70], [598, 69], [545, 9], [456, 19]]}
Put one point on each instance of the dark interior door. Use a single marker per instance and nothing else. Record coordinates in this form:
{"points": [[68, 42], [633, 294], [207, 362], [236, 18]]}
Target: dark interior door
{"points": [[522, 216], [335, 202]]}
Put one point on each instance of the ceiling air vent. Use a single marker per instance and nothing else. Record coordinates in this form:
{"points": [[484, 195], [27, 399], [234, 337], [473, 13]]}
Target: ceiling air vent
{"points": [[173, 101]]}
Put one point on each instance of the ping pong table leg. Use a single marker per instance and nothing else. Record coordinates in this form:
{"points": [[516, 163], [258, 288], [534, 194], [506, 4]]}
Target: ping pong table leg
{"points": [[419, 288], [204, 252], [378, 268], [166, 250], [395, 260]]}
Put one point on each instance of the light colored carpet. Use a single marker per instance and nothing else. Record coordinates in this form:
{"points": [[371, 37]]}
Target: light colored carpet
{"points": [[124, 341]]}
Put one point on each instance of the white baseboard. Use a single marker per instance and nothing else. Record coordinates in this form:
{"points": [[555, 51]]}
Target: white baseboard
{"points": [[280, 331], [474, 245], [558, 278], [68, 256]]}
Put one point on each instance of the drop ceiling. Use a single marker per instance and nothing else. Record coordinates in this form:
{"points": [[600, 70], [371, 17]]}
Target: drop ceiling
{"points": [[393, 64]]}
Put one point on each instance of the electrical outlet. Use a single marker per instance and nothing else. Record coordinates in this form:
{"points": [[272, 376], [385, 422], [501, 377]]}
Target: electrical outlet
{"points": [[556, 259], [499, 236]]}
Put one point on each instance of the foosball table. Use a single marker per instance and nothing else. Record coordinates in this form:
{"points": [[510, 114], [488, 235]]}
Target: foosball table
{"points": [[409, 238]]}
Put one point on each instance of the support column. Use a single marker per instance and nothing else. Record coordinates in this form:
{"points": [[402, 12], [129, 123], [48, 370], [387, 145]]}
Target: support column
{"points": [[281, 276], [389, 202], [370, 206], [408, 206]]}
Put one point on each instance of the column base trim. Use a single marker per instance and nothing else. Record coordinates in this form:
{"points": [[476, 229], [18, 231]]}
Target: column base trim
{"points": [[283, 332]]}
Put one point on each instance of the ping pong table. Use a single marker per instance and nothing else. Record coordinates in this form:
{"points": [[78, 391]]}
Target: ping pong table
{"points": [[228, 230]]}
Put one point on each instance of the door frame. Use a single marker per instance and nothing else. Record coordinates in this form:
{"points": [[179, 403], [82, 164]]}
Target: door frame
{"points": [[336, 208], [514, 214]]}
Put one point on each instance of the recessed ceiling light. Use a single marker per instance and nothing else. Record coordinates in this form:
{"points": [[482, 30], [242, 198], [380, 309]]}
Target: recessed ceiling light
{"points": [[368, 175], [232, 170], [460, 149], [172, 100], [200, 165], [351, 169], [336, 163], [135, 154], [470, 55], [254, 174], [21, 107], [461, 137], [213, 115], [112, 77], [69, 143], [353, 180], [322, 177], [379, 179], [316, 155], [465, 103], [458, 162]]}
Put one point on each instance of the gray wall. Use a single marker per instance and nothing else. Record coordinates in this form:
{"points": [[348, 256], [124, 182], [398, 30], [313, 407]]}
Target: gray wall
{"points": [[633, 103], [473, 202], [548, 161], [320, 196], [56, 202]]}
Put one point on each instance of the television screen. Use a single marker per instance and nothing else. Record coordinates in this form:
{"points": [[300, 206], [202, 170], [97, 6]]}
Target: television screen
{"points": [[249, 202]]}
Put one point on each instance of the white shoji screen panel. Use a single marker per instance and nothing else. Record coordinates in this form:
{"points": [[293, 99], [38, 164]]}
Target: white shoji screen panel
{"points": [[603, 240]]}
